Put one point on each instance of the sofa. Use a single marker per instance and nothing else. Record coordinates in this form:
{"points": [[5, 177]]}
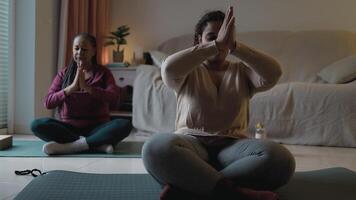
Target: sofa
{"points": [[314, 102]]}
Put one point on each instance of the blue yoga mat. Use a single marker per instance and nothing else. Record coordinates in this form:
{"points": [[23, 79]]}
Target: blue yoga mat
{"points": [[33, 148], [325, 184]]}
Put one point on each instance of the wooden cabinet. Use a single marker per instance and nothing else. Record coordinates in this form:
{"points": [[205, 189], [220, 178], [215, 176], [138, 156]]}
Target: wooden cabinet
{"points": [[125, 77]]}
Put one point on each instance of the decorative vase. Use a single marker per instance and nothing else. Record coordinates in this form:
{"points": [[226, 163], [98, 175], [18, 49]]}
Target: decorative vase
{"points": [[118, 56]]}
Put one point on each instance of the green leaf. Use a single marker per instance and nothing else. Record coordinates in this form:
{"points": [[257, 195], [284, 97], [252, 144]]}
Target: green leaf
{"points": [[123, 28], [115, 34], [125, 34], [118, 36], [110, 37]]}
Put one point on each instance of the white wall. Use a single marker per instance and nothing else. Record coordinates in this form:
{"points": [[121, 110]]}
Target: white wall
{"points": [[154, 21], [46, 51], [24, 64], [35, 58]]}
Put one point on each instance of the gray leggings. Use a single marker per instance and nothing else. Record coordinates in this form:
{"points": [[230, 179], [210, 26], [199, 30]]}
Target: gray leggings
{"points": [[193, 164]]}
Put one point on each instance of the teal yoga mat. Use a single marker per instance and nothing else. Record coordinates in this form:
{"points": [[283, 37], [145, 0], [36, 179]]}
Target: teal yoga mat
{"points": [[325, 184], [29, 148]]}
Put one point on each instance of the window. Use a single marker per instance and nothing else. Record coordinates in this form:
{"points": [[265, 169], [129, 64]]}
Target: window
{"points": [[4, 61]]}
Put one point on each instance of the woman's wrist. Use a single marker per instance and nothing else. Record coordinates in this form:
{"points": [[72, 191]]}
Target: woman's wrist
{"points": [[220, 46], [67, 91], [88, 89], [233, 47]]}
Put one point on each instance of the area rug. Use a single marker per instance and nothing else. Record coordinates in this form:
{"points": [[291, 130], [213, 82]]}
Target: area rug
{"points": [[33, 148]]}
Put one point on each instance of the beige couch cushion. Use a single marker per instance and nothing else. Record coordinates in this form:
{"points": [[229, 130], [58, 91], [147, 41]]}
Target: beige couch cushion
{"points": [[305, 53], [342, 71], [158, 57]]}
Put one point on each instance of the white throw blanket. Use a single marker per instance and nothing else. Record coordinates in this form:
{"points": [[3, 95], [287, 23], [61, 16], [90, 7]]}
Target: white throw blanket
{"points": [[154, 105], [293, 115]]}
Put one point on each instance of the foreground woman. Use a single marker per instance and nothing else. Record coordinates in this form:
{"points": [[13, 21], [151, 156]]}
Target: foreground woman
{"points": [[210, 156]]}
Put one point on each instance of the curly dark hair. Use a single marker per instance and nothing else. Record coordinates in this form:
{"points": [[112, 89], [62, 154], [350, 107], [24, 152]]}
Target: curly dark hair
{"points": [[203, 22], [72, 67]]}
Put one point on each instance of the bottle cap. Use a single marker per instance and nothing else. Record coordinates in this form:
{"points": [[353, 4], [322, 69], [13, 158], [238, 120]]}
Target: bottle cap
{"points": [[260, 131], [259, 125]]}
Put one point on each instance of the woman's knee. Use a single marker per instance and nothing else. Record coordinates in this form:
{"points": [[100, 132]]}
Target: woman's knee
{"points": [[38, 124], [280, 164], [281, 156], [159, 147], [123, 126], [159, 144]]}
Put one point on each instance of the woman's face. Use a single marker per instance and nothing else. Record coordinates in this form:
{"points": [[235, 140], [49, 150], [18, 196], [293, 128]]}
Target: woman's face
{"points": [[83, 51], [210, 33]]}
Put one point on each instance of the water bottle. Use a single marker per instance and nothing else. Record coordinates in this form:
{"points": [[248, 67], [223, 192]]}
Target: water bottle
{"points": [[260, 132]]}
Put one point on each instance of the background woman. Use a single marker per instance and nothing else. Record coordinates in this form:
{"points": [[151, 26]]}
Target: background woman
{"points": [[83, 92]]}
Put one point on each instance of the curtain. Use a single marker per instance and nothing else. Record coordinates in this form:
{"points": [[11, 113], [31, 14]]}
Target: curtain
{"points": [[77, 16]]}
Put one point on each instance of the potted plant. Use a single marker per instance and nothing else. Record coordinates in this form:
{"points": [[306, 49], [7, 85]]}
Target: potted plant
{"points": [[117, 38]]}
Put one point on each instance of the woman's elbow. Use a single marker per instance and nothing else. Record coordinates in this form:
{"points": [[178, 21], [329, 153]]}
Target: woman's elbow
{"points": [[169, 67], [49, 102], [277, 72], [48, 105], [166, 65]]}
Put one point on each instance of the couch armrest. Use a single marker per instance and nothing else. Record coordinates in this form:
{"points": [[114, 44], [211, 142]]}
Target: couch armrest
{"points": [[154, 104]]}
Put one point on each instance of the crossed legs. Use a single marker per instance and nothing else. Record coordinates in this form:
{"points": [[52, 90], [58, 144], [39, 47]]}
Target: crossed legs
{"points": [[64, 138], [186, 163]]}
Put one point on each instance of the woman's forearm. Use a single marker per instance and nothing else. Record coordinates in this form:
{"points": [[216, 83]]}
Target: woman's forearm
{"points": [[183, 62], [265, 66]]}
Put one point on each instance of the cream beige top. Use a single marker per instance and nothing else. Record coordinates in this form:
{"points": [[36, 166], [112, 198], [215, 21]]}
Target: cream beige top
{"points": [[202, 108]]}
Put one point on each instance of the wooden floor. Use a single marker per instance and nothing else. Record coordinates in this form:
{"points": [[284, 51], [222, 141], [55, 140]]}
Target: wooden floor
{"points": [[307, 158]]}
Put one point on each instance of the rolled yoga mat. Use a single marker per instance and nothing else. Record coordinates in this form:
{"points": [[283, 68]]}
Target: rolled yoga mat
{"points": [[325, 184]]}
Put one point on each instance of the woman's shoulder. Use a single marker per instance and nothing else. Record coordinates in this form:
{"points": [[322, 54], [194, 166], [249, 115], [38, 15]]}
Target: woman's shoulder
{"points": [[62, 71]]}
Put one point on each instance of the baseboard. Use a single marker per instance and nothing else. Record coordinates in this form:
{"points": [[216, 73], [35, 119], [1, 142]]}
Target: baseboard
{"points": [[21, 129]]}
